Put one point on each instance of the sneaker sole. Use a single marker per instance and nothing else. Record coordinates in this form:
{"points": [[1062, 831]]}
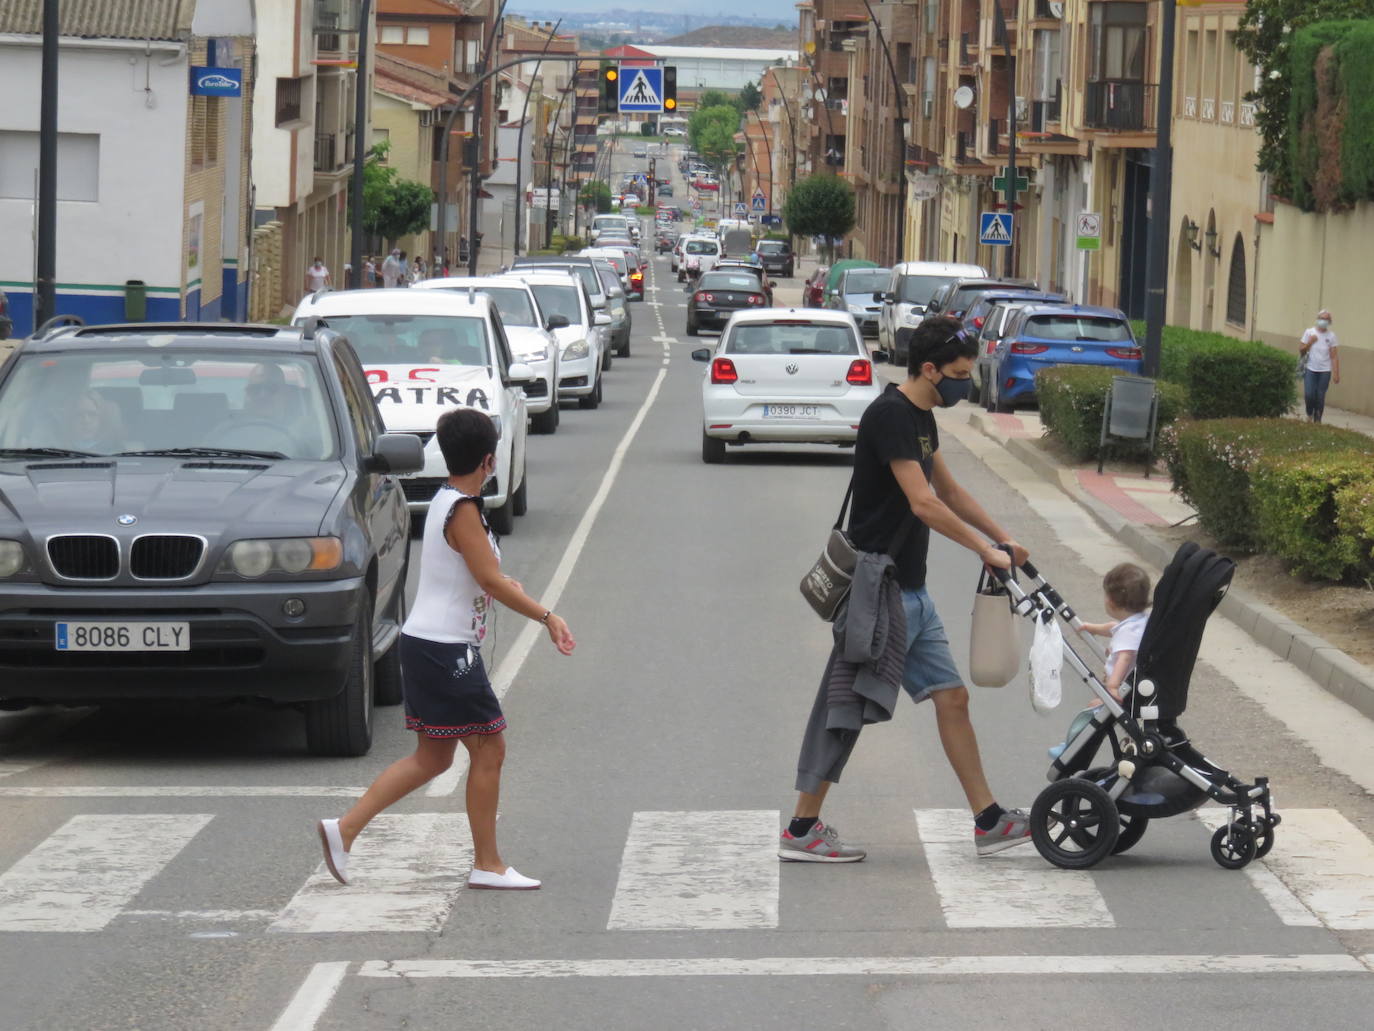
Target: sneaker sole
{"points": [[329, 854], [498, 887], [811, 857], [1001, 846]]}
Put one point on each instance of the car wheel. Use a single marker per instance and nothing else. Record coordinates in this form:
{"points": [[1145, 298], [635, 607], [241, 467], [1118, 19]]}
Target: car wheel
{"points": [[606, 359], [989, 397], [521, 500], [692, 328], [593, 400], [342, 725], [712, 450], [545, 422], [502, 520], [387, 672], [623, 351]]}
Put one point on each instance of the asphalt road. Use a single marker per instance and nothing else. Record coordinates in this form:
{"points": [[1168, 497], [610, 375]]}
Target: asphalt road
{"points": [[159, 868]]}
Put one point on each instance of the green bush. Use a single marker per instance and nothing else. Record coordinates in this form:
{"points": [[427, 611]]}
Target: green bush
{"points": [[1355, 521], [1295, 510], [1211, 463], [1072, 399], [1226, 377]]}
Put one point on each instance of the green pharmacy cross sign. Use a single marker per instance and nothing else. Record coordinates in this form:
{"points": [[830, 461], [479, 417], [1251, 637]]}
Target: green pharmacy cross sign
{"points": [[1009, 182]]}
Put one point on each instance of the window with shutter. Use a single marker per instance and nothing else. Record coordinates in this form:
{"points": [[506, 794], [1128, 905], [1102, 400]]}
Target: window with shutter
{"points": [[1236, 289]]}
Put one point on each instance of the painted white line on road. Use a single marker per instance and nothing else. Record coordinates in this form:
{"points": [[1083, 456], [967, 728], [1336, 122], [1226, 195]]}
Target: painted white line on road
{"points": [[1286, 906], [207, 915], [189, 791], [312, 998], [405, 871], [698, 871], [85, 872], [875, 966], [1015, 888], [509, 668], [1325, 861]]}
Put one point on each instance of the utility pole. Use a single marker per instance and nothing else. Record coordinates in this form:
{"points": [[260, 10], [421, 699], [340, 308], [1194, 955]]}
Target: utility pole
{"points": [[1000, 27], [45, 280], [520, 143], [768, 147], [478, 109], [899, 156], [360, 105], [1161, 188]]}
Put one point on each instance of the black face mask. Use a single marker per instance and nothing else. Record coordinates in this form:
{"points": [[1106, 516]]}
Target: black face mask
{"points": [[952, 390]]}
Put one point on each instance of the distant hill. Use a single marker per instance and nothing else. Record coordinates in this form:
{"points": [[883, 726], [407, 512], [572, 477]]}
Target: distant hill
{"points": [[746, 36]]}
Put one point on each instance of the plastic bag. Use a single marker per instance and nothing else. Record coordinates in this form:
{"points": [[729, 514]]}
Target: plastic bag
{"points": [[1046, 662]]}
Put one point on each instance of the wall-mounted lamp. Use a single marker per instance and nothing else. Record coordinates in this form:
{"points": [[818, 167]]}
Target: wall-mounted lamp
{"points": [[1190, 229], [1212, 248]]}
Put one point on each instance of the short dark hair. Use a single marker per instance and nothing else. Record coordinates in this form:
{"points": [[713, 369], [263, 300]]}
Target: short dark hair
{"points": [[466, 437], [939, 340], [1127, 586]]}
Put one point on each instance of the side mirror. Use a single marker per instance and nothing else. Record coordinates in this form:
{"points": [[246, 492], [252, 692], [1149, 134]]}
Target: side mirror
{"points": [[601, 319], [557, 322], [519, 374], [880, 356], [890, 297], [878, 295], [701, 354], [396, 453]]}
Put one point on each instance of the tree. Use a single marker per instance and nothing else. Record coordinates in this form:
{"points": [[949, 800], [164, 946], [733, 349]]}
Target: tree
{"points": [[750, 97], [820, 205], [716, 98], [595, 194], [392, 207]]}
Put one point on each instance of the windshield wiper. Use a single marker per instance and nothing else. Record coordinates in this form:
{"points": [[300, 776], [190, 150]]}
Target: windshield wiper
{"points": [[46, 452], [201, 452]]}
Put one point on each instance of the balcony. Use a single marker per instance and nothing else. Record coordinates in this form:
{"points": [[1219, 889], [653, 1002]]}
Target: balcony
{"points": [[1119, 106], [331, 153]]}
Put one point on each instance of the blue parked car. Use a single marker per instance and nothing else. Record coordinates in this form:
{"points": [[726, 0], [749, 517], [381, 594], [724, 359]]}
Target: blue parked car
{"points": [[1039, 336]]}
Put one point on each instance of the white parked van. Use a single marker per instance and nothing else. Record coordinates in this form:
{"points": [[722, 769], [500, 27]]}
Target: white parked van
{"points": [[909, 291]]}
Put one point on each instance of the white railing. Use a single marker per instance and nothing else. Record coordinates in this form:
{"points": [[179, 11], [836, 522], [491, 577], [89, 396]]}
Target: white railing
{"points": [[1247, 113], [1190, 107], [1209, 109], [1228, 111]]}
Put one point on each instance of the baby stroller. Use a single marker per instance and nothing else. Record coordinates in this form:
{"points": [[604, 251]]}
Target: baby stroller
{"points": [[1129, 763]]}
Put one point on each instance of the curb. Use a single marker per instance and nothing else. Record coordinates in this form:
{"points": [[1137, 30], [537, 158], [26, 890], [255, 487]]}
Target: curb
{"points": [[1332, 669]]}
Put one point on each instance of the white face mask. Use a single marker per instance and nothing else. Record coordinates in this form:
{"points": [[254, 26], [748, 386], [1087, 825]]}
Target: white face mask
{"points": [[1323, 323]]}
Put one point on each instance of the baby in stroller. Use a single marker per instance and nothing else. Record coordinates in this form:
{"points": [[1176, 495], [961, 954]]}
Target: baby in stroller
{"points": [[1127, 760]]}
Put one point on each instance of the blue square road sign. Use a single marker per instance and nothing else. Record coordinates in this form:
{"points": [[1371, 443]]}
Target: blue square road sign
{"points": [[995, 229], [641, 89]]}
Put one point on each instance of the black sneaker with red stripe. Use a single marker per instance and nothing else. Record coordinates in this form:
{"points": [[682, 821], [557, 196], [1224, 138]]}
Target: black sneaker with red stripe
{"points": [[821, 844], [1013, 828]]}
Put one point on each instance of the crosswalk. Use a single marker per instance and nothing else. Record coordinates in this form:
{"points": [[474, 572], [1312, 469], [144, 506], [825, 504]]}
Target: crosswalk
{"points": [[678, 871]]}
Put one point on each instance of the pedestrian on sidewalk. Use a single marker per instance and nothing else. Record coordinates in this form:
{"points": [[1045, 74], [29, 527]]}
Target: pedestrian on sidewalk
{"points": [[392, 268], [902, 486], [448, 697], [369, 273], [1322, 357], [317, 277]]}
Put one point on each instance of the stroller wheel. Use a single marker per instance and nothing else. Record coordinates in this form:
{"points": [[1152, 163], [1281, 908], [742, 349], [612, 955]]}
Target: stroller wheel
{"points": [[1132, 830], [1075, 824], [1264, 844], [1233, 846]]}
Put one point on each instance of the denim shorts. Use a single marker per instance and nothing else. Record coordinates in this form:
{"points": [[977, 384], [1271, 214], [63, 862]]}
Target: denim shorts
{"points": [[929, 663]]}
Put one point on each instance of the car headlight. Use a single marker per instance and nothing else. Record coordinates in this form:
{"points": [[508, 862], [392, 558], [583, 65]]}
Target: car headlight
{"points": [[534, 356], [251, 559], [12, 558], [855, 309], [577, 349]]}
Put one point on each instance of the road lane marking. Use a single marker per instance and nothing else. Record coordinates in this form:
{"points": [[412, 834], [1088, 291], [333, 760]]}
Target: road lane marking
{"points": [[85, 872], [874, 966], [405, 871], [509, 668], [1324, 860], [312, 998], [698, 871], [188, 791], [1016, 888]]}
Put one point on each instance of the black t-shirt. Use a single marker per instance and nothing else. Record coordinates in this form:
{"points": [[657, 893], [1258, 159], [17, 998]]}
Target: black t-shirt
{"points": [[892, 428]]}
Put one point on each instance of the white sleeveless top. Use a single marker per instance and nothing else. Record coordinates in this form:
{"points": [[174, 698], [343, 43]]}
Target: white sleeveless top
{"points": [[449, 606]]}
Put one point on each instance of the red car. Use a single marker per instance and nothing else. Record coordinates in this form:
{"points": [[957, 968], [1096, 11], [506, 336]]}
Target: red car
{"points": [[813, 290]]}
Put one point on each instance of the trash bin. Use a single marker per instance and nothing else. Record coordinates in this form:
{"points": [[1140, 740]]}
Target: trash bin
{"points": [[135, 300]]}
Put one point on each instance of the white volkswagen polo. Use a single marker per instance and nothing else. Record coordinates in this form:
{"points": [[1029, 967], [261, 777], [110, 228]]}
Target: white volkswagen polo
{"points": [[785, 375], [426, 352]]}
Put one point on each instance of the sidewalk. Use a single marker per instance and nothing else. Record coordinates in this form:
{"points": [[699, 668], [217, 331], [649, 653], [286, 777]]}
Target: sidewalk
{"points": [[1137, 510]]}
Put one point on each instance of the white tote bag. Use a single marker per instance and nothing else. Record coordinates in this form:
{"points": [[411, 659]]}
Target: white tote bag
{"points": [[1046, 664], [994, 645]]}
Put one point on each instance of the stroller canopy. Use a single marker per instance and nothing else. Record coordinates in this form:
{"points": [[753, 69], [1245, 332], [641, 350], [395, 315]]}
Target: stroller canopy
{"points": [[1186, 595]]}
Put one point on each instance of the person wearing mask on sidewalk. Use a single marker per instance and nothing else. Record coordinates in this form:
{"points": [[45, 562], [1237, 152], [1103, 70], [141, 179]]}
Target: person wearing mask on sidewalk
{"points": [[902, 490], [317, 277], [1322, 364], [392, 269]]}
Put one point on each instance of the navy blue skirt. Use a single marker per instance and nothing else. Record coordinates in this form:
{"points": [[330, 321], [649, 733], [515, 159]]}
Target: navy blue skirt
{"points": [[446, 690]]}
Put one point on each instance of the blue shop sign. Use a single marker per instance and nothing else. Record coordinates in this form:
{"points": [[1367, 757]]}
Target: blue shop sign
{"points": [[216, 82]]}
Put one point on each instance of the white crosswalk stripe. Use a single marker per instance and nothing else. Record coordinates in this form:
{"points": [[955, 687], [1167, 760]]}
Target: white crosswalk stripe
{"points": [[1015, 888], [698, 871], [405, 872], [84, 873]]}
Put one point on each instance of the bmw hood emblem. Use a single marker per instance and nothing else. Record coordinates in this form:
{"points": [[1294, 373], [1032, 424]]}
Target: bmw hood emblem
{"points": [[126, 520]]}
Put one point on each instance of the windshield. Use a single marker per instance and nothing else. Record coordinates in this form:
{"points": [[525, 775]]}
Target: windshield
{"points": [[106, 402], [702, 246], [919, 289], [1076, 327], [869, 281], [415, 339], [772, 247], [792, 338], [729, 281], [559, 300], [514, 305]]}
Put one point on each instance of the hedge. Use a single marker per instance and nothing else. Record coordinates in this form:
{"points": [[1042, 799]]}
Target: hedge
{"points": [[1355, 520], [1226, 377], [1295, 510], [1212, 462], [1073, 397]]}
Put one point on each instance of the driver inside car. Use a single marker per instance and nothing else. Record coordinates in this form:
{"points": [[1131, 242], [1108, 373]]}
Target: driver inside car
{"points": [[267, 421]]}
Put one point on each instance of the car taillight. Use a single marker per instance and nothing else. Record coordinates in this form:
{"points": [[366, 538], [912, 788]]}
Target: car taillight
{"points": [[756, 299], [1020, 348], [723, 371], [860, 373], [706, 298], [1130, 354], [992, 346]]}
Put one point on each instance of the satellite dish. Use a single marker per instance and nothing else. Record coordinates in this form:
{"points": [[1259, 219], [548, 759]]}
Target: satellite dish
{"points": [[963, 98]]}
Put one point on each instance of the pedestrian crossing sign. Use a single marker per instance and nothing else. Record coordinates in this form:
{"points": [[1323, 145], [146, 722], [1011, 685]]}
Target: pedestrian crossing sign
{"points": [[641, 89], [995, 230]]}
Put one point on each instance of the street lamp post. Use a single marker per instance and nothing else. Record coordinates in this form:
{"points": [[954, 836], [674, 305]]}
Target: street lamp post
{"points": [[768, 147], [899, 156], [1161, 186], [360, 105], [520, 141]]}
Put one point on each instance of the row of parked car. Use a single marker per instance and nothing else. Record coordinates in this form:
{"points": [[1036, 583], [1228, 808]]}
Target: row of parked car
{"points": [[209, 511], [1020, 328]]}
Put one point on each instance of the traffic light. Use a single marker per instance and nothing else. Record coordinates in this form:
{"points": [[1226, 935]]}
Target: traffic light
{"points": [[669, 88], [610, 88]]}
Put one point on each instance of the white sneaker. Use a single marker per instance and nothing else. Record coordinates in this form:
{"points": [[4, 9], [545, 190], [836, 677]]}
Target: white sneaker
{"points": [[511, 880], [334, 855]]}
